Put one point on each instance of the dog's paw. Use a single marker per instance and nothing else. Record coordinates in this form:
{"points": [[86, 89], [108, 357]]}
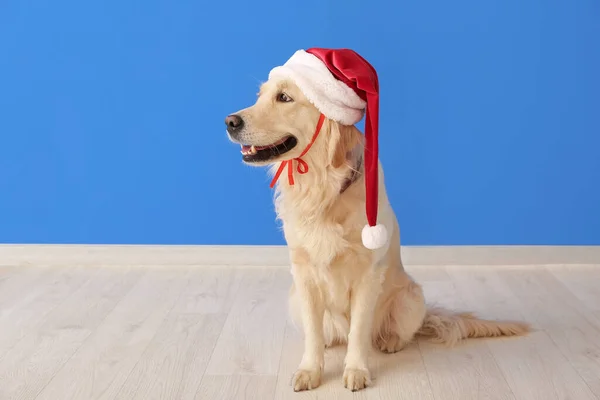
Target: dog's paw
{"points": [[356, 379], [306, 380], [391, 343]]}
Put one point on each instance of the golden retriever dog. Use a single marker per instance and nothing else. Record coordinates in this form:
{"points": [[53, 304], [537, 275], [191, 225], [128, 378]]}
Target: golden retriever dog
{"points": [[342, 292]]}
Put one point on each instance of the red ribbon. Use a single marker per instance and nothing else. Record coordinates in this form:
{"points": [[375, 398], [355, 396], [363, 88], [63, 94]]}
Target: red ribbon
{"points": [[302, 167]]}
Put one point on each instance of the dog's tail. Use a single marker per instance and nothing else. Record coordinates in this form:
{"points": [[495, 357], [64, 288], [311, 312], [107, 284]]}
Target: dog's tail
{"points": [[442, 326]]}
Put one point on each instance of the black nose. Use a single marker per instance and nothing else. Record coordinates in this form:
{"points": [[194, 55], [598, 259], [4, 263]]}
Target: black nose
{"points": [[234, 123]]}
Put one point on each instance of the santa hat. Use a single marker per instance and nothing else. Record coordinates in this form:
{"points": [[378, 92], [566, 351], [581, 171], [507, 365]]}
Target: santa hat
{"points": [[343, 86]]}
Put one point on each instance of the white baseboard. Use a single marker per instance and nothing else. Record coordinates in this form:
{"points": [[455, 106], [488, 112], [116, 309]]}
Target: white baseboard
{"points": [[278, 255]]}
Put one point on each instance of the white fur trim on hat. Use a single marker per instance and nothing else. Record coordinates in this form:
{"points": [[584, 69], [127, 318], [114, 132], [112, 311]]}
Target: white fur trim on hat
{"points": [[332, 97], [374, 237]]}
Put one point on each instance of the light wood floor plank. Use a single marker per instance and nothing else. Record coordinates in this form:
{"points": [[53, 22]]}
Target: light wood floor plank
{"points": [[502, 293], [19, 283], [536, 370], [237, 387], [223, 333], [101, 366], [486, 294], [584, 283], [250, 343], [544, 300], [467, 371], [566, 322], [173, 364], [401, 376], [545, 355], [28, 296], [6, 273], [28, 366], [211, 290], [581, 346]]}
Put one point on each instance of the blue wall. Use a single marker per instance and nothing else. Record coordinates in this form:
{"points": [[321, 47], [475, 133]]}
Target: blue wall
{"points": [[111, 116]]}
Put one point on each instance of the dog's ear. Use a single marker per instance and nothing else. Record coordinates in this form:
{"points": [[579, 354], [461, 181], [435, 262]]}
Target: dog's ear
{"points": [[342, 139]]}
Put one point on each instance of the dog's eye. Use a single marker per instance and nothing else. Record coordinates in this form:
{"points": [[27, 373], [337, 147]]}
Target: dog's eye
{"points": [[283, 98]]}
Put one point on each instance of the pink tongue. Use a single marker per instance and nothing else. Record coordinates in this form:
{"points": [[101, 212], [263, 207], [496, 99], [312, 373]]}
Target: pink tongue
{"points": [[245, 147]]}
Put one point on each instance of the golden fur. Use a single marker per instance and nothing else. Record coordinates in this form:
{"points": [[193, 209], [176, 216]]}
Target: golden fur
{"points": [[343, 292]]}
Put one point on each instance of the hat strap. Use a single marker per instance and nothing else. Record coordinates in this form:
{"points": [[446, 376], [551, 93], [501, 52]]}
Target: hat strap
{"points": [[302, 167]]}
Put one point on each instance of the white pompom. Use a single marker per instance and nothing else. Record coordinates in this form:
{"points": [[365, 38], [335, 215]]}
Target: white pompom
{"points": [[374, 237]]}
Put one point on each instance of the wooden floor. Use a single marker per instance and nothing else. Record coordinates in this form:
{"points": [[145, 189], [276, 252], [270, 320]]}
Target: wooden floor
{"points": [[222, 333]]}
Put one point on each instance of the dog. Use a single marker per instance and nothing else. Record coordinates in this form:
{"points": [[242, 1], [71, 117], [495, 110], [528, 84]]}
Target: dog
{"points": [[342, 292]]}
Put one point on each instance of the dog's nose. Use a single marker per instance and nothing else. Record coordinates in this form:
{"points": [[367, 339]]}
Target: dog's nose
{"points": [[234, 123]]}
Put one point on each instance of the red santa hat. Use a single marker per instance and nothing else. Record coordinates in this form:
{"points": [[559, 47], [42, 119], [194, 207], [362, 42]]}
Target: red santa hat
{"points": [[344, 86]]}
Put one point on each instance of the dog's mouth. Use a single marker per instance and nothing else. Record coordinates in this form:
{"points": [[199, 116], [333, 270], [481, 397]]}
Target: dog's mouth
{"points": [[252, 153]]}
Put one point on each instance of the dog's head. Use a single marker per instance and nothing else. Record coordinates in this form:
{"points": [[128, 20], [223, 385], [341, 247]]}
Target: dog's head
{"points": [[281, 124]]}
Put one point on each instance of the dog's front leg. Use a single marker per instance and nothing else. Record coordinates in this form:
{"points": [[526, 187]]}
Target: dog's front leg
{"points": [[310, 302], [362, 309]]}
